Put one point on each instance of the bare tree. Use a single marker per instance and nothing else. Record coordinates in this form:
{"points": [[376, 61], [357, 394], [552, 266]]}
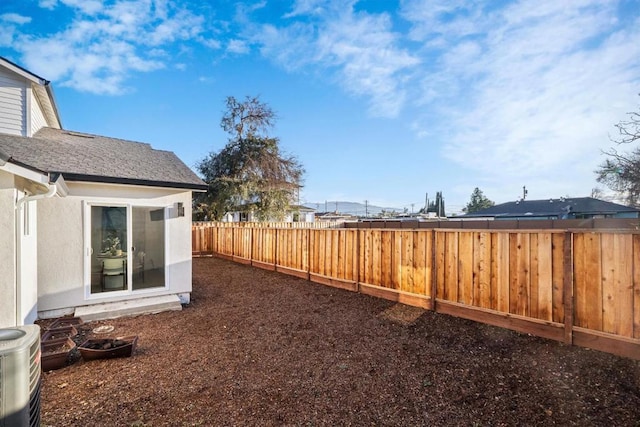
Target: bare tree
{"points": [[621, 171]]}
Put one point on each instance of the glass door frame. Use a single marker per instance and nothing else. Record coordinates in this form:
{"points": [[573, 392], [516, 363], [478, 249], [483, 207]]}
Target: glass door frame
{"points": [[87, 259]]}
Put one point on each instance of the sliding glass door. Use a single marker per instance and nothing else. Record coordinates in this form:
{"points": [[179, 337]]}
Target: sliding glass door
{"points": [[127, 250], [148, 237]]}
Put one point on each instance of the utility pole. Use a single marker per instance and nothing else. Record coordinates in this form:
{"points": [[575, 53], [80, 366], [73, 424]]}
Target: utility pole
{"points": [[366, 209], [524, 192], [412, 208]]}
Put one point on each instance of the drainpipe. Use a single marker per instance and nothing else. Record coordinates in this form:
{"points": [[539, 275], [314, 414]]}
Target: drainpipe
{"points": [[50, 193], [52, 189]]}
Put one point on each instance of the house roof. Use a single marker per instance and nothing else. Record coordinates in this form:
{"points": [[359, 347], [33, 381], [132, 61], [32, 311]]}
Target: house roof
{"points": [[93, 158], [553, 207], [300, 208]]}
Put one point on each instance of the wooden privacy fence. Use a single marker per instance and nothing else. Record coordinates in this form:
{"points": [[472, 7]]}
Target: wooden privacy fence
{"points": [[580, 288], [283, 224]]}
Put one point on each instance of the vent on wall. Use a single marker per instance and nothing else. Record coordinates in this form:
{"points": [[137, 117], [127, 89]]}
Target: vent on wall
{"points": [[20, 376]]}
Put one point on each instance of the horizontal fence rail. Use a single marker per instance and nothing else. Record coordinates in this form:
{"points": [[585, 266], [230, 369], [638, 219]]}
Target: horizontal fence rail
{"points": [[580, 288], [283, 224], [502, 224]]}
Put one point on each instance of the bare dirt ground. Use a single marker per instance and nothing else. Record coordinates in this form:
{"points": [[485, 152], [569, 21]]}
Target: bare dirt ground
{"points": [[263, 349]]}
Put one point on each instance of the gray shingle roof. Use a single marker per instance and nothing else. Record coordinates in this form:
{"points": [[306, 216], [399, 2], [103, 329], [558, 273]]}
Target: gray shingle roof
{"points": [[551, 207], [93, 158]]}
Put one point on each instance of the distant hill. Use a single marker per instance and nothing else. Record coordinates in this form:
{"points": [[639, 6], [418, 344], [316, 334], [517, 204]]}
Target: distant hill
{"points": [[351, 208]]}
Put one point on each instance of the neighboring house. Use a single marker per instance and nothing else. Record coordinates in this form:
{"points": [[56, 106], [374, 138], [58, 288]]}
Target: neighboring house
{"points": [[294, 213], [562, 208], [335, 218], [90, 225]]}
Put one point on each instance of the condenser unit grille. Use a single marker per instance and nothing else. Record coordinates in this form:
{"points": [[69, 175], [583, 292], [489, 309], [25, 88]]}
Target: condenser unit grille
{"points": [[20, 376], [2, 393], [34, 406], [34, 365], [34, 384]]}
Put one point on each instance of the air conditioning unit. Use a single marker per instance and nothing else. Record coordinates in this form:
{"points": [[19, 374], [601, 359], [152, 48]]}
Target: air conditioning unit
{"points": [[20, 376]]}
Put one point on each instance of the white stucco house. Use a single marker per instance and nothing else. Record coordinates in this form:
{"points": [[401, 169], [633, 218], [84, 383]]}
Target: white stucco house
{"points": [[90, 225], [294, 213]]}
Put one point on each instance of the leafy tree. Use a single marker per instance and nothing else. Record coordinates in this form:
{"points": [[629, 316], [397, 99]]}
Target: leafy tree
{"points": [[250, 173], [386, 214], [621, 171], [477, 202]]}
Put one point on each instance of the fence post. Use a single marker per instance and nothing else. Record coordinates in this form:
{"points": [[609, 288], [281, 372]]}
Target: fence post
{"points": [[309, 234], [434, 275], [357, 261], [275, 249], [567, 291]]}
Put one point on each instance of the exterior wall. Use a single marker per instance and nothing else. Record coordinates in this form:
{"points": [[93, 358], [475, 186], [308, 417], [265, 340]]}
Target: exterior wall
{"points": [[179, 242], [13, 104], [62, 246], [236, 217], [38, 120], [28, 253], [303, 217], [288, 217], [18, 253], [7, 252], [60, 253]]}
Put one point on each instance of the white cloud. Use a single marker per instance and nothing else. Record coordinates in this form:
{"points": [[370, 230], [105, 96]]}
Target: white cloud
{"points": [[206, 79], [89, 7], [106, 42], [306, 7], [48, 4], [531, 92], [237, 46], [15, 18], [359, 49], [209, 42]]}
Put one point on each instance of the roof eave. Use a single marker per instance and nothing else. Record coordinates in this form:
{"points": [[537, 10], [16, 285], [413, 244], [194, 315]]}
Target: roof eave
{"points": [[25, 171], [54, 105], [73, 177], [23, 72]]}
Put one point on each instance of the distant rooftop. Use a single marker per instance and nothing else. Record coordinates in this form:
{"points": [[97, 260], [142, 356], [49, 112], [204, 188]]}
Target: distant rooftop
{"points": [[559, 208]]}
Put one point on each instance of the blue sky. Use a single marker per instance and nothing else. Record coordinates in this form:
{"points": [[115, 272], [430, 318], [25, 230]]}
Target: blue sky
{"points": [[381, 100]]}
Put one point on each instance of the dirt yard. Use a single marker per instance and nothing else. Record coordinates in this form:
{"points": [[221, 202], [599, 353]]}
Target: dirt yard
{"points": [[263, 349]]}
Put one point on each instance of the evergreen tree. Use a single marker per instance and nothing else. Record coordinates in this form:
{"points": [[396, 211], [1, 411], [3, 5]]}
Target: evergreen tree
{"points": [[250, 173], [478, 202]]}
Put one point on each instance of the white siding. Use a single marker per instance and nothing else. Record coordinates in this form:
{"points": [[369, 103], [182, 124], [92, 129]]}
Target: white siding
{"points": [[37, 117], [12, 104]]}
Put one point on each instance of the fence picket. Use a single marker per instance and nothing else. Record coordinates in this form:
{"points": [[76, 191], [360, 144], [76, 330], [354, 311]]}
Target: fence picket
{"points": [[580, 287]]}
